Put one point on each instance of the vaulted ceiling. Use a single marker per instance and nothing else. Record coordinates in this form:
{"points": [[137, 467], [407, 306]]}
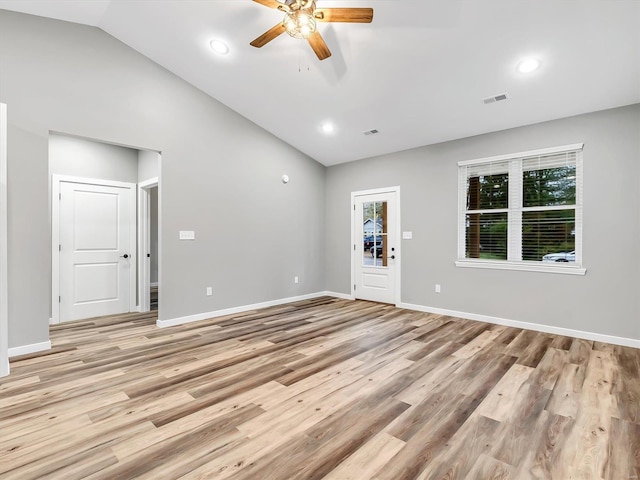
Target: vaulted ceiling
{"points": [[418, 74]]}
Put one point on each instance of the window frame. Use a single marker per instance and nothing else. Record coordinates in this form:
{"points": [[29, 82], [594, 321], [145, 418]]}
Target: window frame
{"points": [[516, 205]]}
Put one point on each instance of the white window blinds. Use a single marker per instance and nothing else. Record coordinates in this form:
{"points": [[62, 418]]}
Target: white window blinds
{"points": [[522, 208]]}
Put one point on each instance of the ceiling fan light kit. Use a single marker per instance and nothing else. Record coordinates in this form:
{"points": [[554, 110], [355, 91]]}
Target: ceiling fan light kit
{"points": [[300, 22]]}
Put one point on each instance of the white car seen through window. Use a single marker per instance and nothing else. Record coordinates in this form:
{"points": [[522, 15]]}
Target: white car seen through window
{"points": [[560, 257]]}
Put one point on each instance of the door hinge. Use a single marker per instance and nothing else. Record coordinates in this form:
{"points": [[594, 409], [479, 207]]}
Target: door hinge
{"points": [[59, 196], [354, 207], [59, 247], [59, 299], [354, 247], [354, 286]]}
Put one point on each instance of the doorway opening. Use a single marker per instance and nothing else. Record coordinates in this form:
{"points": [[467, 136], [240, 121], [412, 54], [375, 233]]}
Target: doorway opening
{"points": [[375, 257], [148, 244], [96, 225]]}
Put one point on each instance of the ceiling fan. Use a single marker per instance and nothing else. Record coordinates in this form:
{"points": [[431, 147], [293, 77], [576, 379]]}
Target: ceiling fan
{"points": [[300, 22]]}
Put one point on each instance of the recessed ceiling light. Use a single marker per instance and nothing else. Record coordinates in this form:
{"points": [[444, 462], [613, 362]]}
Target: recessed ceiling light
{"points": [[528, 65], [219, 47], [328, 128]]}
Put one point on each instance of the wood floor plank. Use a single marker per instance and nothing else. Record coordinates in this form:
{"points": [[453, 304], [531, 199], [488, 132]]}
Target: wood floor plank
{"points": [[321, 388], [628, 389], [624, 450], [546, 441], [515, 433], [488, 468], [588, 455], [429, 441], [498, 404], [567, 391], [326, 444], [473, 439], [368, 459]]}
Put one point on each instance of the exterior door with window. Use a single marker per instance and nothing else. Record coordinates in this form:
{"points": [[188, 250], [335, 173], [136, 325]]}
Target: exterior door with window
{"points": [[376, 246], [95, 250]]}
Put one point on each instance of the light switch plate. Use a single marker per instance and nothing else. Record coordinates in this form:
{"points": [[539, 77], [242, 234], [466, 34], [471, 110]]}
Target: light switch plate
{"points": [[187, 235], [407, 235]]}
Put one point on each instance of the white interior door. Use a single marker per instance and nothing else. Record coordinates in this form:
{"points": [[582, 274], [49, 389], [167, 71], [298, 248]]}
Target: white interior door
{"points": [[96, 249], [376, 246]]}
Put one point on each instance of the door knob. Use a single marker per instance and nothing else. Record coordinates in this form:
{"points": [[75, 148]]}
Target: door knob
{"points": [[126, 255]]}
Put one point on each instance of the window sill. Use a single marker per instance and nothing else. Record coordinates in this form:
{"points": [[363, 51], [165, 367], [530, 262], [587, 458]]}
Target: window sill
{"points": [[523, 266]]}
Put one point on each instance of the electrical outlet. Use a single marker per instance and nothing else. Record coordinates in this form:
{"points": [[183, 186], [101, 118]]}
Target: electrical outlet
{"points": [[209, 291], [296, 279], [437, 288]]}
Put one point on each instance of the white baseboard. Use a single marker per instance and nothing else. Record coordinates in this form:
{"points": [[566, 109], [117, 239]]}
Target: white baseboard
{"points": [[598, 337], [230, 311], [32, 348], [344, 296], [4, 369]]}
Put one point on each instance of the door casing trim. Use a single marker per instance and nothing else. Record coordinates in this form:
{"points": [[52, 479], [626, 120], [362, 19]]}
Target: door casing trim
{"points": [[4, 297], [143, 241], [354, 250], [56, 180]]}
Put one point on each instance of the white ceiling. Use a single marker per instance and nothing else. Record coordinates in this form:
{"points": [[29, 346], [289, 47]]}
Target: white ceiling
{"points": [[417, 73]]}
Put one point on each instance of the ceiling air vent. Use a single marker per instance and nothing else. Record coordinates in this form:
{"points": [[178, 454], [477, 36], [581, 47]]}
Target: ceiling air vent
{"points": [[371, 132], [497, 98]]}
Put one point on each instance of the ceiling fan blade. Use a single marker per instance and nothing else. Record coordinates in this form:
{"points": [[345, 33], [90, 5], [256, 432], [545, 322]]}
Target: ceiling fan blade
{"points": [[351, 15], [267, 36], [317, 43], [271, 3]]}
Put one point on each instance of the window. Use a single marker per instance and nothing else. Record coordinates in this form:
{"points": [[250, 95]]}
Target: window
{"points": [[522, 211]]}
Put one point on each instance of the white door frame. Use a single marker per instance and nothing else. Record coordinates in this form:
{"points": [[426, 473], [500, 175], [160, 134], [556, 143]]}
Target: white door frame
{"points": [[55, 238], [144, 239], [356, 253], [4, 297]]}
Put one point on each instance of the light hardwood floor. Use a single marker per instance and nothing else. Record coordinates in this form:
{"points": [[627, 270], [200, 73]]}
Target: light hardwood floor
{"points": [[324, 388]]}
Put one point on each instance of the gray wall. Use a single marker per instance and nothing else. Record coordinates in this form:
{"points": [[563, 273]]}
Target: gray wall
{"points": [[224, 182], [148, 165], [81, 157], [604, 301]]}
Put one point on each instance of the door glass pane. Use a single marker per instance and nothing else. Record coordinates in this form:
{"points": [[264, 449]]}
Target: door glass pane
{"points": [[374, 234]]}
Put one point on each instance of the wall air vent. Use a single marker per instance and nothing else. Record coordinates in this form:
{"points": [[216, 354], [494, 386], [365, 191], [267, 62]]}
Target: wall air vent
{"points": [[371, 132], [497, 98]]}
